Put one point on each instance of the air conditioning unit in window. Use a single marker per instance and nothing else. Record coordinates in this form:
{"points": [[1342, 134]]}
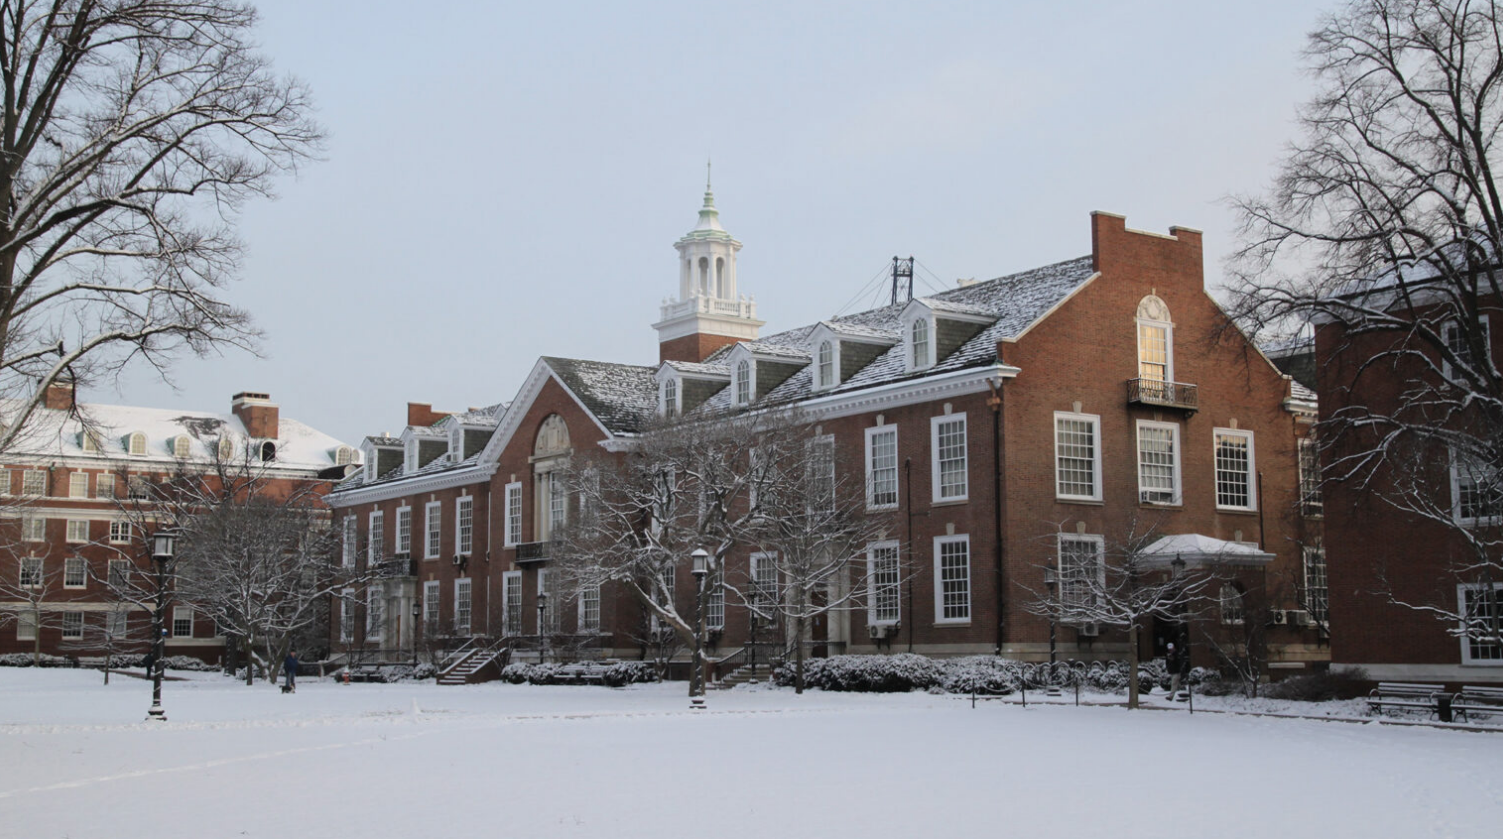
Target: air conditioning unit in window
{"points": [[1089, 630], [1278, 617], [1300, 618], [882, 631]]}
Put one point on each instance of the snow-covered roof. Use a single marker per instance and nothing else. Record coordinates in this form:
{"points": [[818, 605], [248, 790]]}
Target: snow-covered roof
{"points": [[624, 397], [695, 368], [1196, 550]]}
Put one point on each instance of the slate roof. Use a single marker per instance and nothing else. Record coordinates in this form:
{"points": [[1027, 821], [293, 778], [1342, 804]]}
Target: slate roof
{"points": [[859, 332], [622, 396], [696, 368], [383, 440], [1302, 393]]}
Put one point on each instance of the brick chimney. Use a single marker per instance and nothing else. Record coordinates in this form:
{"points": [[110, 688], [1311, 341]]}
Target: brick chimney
{"points": [[259, 415], [60, 395], [422, 414]]}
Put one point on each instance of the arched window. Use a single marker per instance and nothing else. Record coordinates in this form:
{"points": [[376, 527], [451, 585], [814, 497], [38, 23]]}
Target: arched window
{"points": [[226, 448], [704, 275], [1233, 609], [344, 456], [920, 343], [136, 444], [181, 446], [549, 457], [743, 382], [719, 276], [1155, 341], [670, 398], [268, 451], [553, 437], [826, 362]]}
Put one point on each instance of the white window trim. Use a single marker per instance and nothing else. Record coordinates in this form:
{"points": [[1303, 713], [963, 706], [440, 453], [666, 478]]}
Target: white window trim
{"points": [[347, 615], [511, 581], [375, 619], [26, 625], [934, 465], [871, 577], [1252, 469], [1095, 421], [512, 527], [1168, 346], [580, 616], [72, 635], [939, 592], [433, 521], [467, 627], [1466, 652], [41, 476], [1179, 474], [751, 381], [911, 364], [403, 547], [71, 561], [677, 400], [1099, 541], [834, 365], [68, 529], [176, 610], [28, 524], [870, 484], [349, 547], [464, 544], [375, 536], [432, 606], [74, 482], [120, 532], [1465, 521], [130, 444], [1445, 335]]}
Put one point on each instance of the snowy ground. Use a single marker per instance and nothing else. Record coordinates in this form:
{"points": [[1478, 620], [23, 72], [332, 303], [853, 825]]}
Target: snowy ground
{"points": [[519, 761]]}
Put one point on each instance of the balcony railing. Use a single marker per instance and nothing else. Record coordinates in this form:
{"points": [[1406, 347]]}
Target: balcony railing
{"points": [[1163, 394], [532, 551]]}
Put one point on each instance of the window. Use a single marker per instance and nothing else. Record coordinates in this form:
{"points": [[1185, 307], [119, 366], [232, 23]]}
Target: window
{"points": [[88, 443], [1155, 341], [116, 624], [375, 611], [1456, 342], [513, 513], [947, 440], [72, 625], [1482, 632], [140, 488], [78, 530], [558, 503], [1233, 609], [743, 382], [764, 571], [819, 456], [75, 572], [347, 557], [34, 482], [119, 573], [1082, 571], [78, 485], [433, 522], [431, 606], [464, 525], [511, 599], [136, 444], [1234, 469], [1476, 496], [181, 446], [462, 606], [882, 571], [344, 456], [404, 531], [31, 572], [1158, 462], [670, 398], [1317, 591], [33, 529], [347, 615], [919, 345], [882, 466], [104, 486], [952, 579], [715, 600], [1309, 477], [589, 609], [26, 626], [119, 532], [226, 449], [552, 608], [825, 361], [182, 622], [1077, 457], [376, 541]]}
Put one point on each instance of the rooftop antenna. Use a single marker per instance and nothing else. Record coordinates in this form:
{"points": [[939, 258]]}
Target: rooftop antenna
{"points": [[902, 280]]}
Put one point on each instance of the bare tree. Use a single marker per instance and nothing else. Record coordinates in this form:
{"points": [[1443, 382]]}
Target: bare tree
{"points": [[31, 597], [132, 133], [1384, 228]]}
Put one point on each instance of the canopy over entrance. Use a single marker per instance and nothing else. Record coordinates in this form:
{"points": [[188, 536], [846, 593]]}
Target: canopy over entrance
{"points": [[1198, 551]]}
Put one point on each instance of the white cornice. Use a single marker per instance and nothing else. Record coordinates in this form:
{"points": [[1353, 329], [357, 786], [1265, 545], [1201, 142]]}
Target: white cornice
{"points": [[414, 485], [910, 392]]}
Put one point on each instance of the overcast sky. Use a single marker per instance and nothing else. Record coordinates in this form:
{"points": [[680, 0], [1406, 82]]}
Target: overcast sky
{"points": [[506, 180]]}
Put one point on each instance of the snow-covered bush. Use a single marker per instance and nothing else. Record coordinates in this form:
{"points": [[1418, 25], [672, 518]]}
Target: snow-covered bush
{"points": [[867, 673], [187, 662], [28, 660], [534, 674], [983, 674], [624, 673]]}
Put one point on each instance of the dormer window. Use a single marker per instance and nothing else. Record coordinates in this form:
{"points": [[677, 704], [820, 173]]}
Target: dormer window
{"points": [[135, 444], [920, 347], [226, 448], [268, 451], [181, 446], [742, 382], [87, 442], [456, 443], [825, 365], [344, 456], [1155, 341], [670, 398]]}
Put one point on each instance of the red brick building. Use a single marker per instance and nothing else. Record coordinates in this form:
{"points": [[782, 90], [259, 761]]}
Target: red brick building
{"points": [[64, 484], [1121, 397]]}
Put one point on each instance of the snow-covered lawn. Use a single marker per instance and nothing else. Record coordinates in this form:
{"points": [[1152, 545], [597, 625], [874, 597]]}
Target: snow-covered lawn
{"points": [[414, 760]]}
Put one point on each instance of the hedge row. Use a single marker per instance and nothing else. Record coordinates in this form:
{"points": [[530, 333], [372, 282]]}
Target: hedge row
{"points": [[618, 674], [973, 674], [119, 662]]}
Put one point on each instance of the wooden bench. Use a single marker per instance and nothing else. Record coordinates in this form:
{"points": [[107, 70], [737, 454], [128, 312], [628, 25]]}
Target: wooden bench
{"points": [[577, 675], [1476, 699], [1407, 696]]}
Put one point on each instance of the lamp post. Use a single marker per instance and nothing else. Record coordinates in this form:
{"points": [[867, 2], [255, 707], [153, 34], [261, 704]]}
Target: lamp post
{"points": [[162, 549], [1181, 609], [700, 569], [417, 615], [542, 633], [1051, 581]]}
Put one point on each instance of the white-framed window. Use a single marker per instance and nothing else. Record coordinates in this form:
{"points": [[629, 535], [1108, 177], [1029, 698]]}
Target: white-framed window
{"points": [[764, 573], [119, 573], [670, 398], [1082, 572], [743, 382], [824, 362], [431, 606], [952, 579], [78, 531], [715, 600], [433, 526], [558, 503], [1476, 493], [1309, 477], [116, 623], [1233, 607], [948, 459], [225, 449], [119, 532], [33, 529], [511, 599], [347, 555], [885, 581], [375, 611], [1317, 589], [34, 483], [1455, 340], [78, 485], [462, 606], [1158, 462], [26, 626], [589, 610], [552, 608], [139, 488], [73, 623], [30, 572], [136, 444], [1235, 469], [1155, 341], [920, 347], [404, 530], [513, 528], [344, 456], [182, 622], [75, 572], [182, 446], [376, 540], [347, 615], [104, 486], [1077, 456], [464, 525], [1482, 632], [819, 464], [88, 442], [882, 467]]}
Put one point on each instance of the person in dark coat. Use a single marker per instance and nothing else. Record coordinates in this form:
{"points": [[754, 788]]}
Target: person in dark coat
{"points": [[289, 666], [1176, 662]]}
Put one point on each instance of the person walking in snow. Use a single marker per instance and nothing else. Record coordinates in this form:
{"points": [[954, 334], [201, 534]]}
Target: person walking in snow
{"points": [[289, 666], [1174, 662]]}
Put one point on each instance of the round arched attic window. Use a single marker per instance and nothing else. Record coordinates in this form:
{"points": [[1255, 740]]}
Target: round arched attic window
{"points": [[553, 437], [182, 446], [344, 456], [268, 451]]}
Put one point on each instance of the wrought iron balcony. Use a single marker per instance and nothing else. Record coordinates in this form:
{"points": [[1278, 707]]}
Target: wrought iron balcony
{"points": [[532, 551], [1162, 394]]}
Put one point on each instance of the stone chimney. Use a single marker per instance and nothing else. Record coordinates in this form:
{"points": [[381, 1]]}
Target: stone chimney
{"points": [[422, 414], [60, 395], [259, 415]]}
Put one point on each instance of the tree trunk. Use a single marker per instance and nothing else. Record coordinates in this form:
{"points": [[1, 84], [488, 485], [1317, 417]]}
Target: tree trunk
{"points": [[798, 654], [1132, 664], [36, 642], [250, 660]]}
